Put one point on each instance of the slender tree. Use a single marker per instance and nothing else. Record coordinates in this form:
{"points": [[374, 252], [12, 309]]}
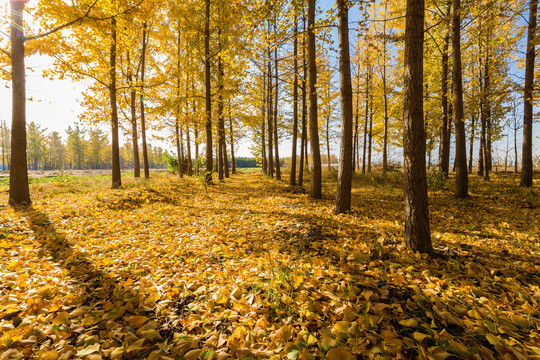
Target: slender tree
{"points": [[292, 180], [444, 147], [417, 233], [343, 194], [116, 175], [208, 94], [316, 171], [526, 152], [18, 177], [143, 117], [134, 131], [462, 176], [276, 97], [221, 119]]}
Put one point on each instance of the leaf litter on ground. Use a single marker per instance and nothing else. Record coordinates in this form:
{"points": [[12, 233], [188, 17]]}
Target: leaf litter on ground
{"points": [[250, 269]]}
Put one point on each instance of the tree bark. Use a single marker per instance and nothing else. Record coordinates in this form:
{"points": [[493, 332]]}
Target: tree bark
{"points": [[515, 140], [356, 158], [366, 120], [417, 233], [370, 134], [178, 149], [444, 149], [343, 193], [316, 175], [270, 106], [233, 160], [471, 142], [188, 147], [487, 107], [303, 141], [208, 95], [196, 134], [292, 180], [276, 97], [462, 177], [221, 120], [177, 123], [116, 175], [263, 126], [225, 157], [19, 192], [385, 96], [143, 120], [134, 131]]}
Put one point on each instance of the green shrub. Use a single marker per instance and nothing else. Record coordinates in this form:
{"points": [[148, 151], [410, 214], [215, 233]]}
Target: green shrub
{"points": [[436, 179]]}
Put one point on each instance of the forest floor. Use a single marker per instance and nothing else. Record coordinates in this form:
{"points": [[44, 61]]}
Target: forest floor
{"points": [[250, 268]]}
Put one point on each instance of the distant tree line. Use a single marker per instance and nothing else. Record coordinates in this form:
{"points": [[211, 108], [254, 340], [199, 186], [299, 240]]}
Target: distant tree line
{"points": [[84, 148]]}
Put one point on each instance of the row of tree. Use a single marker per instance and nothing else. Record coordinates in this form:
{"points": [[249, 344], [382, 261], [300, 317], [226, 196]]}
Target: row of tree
{"points": [[83, 148]]}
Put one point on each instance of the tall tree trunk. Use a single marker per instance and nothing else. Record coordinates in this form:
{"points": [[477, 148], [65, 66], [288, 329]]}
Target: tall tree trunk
{"points": [[515, 140], [462, 179], [292, 180], [263, 126], [366, 122], [356, 158], [269, 107], [178, 147], [370, 134], [196, 140], [208, 94], [486, 143], [263, 144], [444, 148], [224, 144], [233, 160], [343, 193], [3, 127], [329, 165], [225, 156], [143, 120], [116, 175], [303, 141], [481, 79], [188, 147], [195, 124], [306, 152], [19, 192], [417, 233], [134, 131], [221, 120], [385, 96], [177, 123], [426, 127], [316, 175], [276, 97], [471, 142]]}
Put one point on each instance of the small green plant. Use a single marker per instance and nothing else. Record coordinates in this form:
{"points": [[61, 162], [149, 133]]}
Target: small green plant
{"points": [[172, 162], [436, 179], [393, 166], [201, 173]]}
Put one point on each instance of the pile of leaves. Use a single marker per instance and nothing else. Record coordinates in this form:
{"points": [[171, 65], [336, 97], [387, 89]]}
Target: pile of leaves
{"points": [[249, 269]]}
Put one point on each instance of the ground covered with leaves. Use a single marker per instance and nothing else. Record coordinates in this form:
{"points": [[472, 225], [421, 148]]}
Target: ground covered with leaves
{"points": [[251, 269]]}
